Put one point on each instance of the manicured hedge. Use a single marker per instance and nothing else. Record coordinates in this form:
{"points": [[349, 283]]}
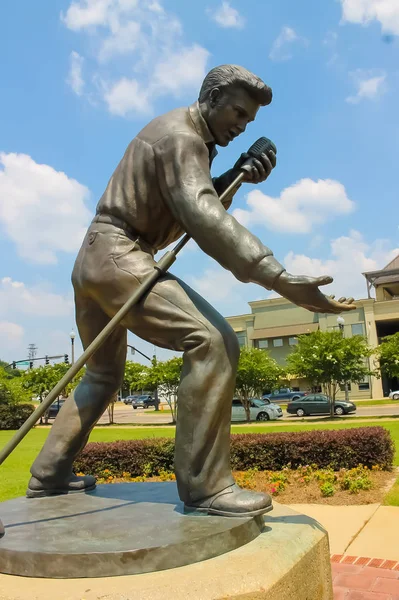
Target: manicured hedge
{"points": [[12, 416], [346, 448]]}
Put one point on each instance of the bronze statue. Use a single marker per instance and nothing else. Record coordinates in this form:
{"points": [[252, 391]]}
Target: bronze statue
{"points": [[161, 189]]}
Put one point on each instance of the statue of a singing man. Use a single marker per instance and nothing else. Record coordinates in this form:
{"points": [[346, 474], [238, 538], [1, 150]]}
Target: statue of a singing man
{"points": [[161, 189]]}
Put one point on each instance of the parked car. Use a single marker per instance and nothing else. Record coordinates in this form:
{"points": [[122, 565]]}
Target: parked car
{"points": [[318, 404], [260, 410], [394, 395], [129, 399], [283, 394], [55, 408], [143, 401]]}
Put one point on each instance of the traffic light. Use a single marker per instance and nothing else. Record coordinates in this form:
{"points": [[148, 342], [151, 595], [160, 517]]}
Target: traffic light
{"points": [[47, 360], [14, 364], [66, 359], [31, 364]]}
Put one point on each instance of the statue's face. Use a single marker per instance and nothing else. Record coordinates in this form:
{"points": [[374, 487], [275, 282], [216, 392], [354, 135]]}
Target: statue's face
{"points": [[229, 112]]}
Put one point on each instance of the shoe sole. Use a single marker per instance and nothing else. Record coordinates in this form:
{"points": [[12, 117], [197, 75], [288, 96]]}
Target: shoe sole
{"points": [[61, 492], [223, 513]]}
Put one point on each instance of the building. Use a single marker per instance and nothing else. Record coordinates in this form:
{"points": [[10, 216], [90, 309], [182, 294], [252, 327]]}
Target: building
{"points": [[274, 325]]}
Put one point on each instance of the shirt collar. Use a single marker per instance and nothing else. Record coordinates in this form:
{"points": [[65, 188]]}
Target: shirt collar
{"points": [[200, 123]]}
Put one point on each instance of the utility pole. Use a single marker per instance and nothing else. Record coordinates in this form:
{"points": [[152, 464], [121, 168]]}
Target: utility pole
{"points": [[32, 351]]}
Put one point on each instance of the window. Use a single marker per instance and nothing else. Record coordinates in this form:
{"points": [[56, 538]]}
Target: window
{"points": [[242, 338], [364, 385], [321, 398], [342, 387], [237, 402], [357, 329], [262, 344], [277, 342], [292, 341]]}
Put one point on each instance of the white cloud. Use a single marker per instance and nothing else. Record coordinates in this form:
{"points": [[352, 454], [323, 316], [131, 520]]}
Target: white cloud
{"points": [[124, 39], [350, 256], [127, 96], [39, 301], [172, 74], [365, 11], [41, 210], [299, 208], [87, 13], [11, 332], [215, 284], [282, 46], [139, 53], [226, 16], [75, 77], [369, 86]]}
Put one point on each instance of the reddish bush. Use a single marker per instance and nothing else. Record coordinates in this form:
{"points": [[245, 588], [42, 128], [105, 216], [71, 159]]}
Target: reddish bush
{"points": [[337, 449], [342, 448]]}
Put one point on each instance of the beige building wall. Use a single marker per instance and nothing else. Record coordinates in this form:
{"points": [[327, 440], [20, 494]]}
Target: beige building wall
{"points": [[274, 324]]}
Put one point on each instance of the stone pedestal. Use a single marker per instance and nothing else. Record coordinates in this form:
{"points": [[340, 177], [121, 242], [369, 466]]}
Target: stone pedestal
{"points": [[283, 556]]}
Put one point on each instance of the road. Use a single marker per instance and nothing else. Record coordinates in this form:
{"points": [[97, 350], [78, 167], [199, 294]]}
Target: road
{"points": [[126, 414]]}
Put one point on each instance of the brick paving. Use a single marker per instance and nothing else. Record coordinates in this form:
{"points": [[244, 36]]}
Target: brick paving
{"points": [[364, 578]]}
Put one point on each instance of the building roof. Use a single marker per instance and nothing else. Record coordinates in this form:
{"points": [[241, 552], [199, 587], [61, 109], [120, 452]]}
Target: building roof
{"points": [[388, 275], [283, 331]]}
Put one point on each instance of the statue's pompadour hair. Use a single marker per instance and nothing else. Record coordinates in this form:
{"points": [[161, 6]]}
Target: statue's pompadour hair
{"points": [[233, 75]]}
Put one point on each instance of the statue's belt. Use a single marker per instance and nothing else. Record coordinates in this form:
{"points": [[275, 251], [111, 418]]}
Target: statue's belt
{"points": [[121, 224]]}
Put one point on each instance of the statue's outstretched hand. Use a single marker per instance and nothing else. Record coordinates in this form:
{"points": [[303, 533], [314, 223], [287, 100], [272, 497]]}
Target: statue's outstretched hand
{"points": [[304, 291]]}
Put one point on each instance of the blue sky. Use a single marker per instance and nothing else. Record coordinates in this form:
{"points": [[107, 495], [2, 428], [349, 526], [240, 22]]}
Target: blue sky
{"points": [[80, 79]]}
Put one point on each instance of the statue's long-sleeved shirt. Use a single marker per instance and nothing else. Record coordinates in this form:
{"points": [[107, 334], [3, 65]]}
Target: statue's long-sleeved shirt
{"points": [[163, 188]]}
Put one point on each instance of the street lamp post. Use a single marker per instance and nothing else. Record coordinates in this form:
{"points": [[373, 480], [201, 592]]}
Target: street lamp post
{"points": [[341, 324], [72, 335]]}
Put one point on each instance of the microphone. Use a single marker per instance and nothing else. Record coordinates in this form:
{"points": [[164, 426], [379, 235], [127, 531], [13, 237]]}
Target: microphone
{"points": [[262, 146]]}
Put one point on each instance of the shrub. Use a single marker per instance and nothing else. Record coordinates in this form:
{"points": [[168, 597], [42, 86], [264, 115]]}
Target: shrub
{"points": [[356, 479], [327, 490], [137, 457], [333, 449], [336, 449], [12, 416]]}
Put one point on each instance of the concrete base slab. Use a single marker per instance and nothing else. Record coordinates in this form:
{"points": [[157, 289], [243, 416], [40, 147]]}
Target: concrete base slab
{"points": [[117, 529], [380, 538], [289, 560], [341, 522]]}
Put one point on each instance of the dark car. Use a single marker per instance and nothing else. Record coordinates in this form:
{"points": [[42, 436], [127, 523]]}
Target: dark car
{"points": [[283, 394], [319, 404], [143, 401], [129, 399], [54, 409]]}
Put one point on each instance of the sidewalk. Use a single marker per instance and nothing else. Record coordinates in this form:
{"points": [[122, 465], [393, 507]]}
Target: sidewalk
{"points": [[364, 543]]}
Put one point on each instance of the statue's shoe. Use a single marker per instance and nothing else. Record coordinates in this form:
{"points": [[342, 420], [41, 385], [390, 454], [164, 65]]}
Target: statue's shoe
{"points": [[232, 502], [73, 485]]}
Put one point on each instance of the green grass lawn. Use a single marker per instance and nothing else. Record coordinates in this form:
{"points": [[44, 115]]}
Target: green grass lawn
{"points": [[14, 473], [392, 498]]}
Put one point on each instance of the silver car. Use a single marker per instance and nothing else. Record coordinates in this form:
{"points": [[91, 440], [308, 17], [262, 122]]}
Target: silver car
{"points": [[260, 410], [394, 395]]}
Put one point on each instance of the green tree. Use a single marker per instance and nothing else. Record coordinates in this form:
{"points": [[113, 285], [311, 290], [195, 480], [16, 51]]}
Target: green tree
{"points": [[165, 375], [135, 377], [8, 371], [41, 381], [256, 372], [12, 389], [326, 358], [388, 355]]}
